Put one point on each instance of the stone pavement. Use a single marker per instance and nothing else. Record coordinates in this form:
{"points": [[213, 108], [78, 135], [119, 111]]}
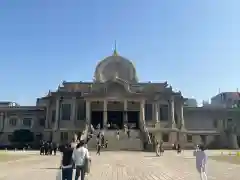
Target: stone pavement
{"points": [[123, 166]]}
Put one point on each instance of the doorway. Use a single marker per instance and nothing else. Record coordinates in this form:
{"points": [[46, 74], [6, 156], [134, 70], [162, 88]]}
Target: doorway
{"points": [[133, 119], [97, 118], [115, 119]]}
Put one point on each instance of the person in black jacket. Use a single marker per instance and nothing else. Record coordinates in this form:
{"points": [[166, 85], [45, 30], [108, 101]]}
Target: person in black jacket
{"points": [[67, 163]]}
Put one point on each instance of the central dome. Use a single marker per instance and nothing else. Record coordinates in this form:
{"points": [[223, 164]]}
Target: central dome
{"points": [[115, 66]]}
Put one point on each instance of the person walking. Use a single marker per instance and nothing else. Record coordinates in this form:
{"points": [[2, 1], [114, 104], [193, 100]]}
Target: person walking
{"points": [[54, 148], [98, 148], [118, 135], [161, 148], [157, 148], [66, 164], [201, 162], [81, 159]]}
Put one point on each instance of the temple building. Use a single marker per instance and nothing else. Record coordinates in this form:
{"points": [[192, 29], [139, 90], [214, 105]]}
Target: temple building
{"points": [[114, 98]]}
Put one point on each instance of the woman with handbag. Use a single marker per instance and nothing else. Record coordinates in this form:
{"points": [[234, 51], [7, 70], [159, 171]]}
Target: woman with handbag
{"points": [[81, 158]]}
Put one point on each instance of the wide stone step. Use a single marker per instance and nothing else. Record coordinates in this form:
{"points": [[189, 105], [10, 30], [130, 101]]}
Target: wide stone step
{"points": [[133, 143]]}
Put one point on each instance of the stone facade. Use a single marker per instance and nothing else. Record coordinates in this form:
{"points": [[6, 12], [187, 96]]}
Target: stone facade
{"points": [[117, 97]]}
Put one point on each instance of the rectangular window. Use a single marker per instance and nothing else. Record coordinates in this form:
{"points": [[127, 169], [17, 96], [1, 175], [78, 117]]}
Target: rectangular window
{"points": [[81, 110], [53, 116], [42, 121], [215, 123], [148, 112], [164, 112], [189, 138], [229, 123], [10, 137], [27, 122], [66, 112], [165, 137], [64, 136]]}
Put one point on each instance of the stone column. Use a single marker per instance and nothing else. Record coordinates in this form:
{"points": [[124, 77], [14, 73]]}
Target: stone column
{"points": [[173, 135], [56, 132], [105, 103], [182, 117], [57, 118], [125, 111], [158, 134], [1, 121], [142, 113], [157, 114], [171, 113], [73, 110], [47, 118], [88, 111]]}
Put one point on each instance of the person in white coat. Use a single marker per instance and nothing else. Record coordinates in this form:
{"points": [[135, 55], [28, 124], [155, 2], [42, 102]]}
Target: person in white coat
{"points": [[201, 162], [81, 158]]}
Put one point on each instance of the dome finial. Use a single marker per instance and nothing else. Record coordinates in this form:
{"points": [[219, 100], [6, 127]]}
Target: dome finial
{"points": [[115, 49]]}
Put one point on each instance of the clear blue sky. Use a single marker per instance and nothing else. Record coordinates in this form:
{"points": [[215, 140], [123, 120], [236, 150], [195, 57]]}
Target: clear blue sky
{"points": [[193, 44]]}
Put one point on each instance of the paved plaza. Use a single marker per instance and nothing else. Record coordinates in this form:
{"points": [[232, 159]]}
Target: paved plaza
{"points": [[122, 166]]}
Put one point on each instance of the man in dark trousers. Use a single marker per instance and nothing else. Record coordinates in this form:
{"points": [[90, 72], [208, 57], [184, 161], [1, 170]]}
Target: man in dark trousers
{"points": [[41, 148], [54, 148], [50, 148], [67, 163], [46, 148]]}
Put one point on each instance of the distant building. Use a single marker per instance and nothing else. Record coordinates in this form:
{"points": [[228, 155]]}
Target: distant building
{"points": [[117, 98], [226, 99], [206, 103], [191, 102], [8, 104]]}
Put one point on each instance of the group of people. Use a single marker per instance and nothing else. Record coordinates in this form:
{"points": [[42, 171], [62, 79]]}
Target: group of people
{"points": [[177, 147], [48, 148], [75, 157], [159, 148], [101, 142]]}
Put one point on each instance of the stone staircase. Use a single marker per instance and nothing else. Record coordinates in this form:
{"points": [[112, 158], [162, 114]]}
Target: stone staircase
{"points": [[134, 143]]}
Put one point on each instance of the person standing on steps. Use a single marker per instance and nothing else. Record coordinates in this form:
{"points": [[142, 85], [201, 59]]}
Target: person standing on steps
{"points": [[106, 144], [54, 148], [157, 148], [128, 132], [118, 136], [98, 147]]}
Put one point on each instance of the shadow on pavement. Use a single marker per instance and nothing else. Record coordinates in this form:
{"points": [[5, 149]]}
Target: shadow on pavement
{"points": [[50, 168]]}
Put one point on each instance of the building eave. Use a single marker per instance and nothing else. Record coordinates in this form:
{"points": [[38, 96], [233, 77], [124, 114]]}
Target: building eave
{"points": [[23, 108]]}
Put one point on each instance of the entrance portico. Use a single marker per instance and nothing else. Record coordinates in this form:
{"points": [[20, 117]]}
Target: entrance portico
{"points": [[115, 112]]}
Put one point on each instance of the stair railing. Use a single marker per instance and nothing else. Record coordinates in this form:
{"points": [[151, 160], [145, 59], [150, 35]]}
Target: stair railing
{"points": [[85, 133], [147, 133]]}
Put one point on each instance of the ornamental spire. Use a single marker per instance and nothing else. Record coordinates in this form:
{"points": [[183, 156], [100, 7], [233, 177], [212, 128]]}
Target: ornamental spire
{"points": [[115, 49]]}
